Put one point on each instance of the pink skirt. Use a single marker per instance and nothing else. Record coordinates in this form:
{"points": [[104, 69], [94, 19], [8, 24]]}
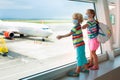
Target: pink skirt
{"points": [[93, 44]]}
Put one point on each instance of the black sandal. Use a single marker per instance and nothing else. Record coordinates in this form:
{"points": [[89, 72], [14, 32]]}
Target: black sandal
{"points": [[84, 70], [73, 74]]}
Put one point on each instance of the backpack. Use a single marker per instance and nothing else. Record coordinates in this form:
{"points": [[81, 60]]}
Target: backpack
{"points": [[104, 32]]}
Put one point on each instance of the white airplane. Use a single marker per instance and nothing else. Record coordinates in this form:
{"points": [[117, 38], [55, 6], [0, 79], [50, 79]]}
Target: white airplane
{"points": [[9, 29]]}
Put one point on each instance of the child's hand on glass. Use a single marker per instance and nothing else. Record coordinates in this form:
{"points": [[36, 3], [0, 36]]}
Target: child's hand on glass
{"points": [[59, 37]]}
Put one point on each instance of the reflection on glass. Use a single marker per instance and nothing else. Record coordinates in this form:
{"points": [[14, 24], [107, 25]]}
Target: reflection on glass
{"points": [[112, 19]]}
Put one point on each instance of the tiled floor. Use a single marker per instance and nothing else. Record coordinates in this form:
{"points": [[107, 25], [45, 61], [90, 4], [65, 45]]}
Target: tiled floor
{"points": [[105, 67]]}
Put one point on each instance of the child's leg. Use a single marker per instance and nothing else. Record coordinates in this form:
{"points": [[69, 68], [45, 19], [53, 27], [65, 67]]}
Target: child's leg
{"points": [[95, 61], [95, 58], [91, 56], [81, 58], [93, 45], [86, 67], [80, 61], [90, 60], [78, 69]]}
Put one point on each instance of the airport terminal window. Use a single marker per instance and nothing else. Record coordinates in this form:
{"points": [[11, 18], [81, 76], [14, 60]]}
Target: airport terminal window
{"points": [[56, 16]]}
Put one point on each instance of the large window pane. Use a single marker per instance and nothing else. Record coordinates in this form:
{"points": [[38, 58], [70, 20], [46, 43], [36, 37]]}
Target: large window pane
{"points": [[57, 15]]}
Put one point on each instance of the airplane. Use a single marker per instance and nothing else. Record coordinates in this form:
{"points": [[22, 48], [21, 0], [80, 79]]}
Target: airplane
{"points": [[9, 29]]}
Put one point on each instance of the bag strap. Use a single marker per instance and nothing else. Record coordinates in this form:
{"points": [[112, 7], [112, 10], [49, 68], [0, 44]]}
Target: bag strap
{"points": [[98, 28]]}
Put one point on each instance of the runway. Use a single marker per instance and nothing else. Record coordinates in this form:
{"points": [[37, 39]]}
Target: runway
{"points": [[30, 55]]}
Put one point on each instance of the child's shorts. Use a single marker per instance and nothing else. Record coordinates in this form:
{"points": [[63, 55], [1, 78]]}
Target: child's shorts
{"points": [[93, 44], [81, 58]]}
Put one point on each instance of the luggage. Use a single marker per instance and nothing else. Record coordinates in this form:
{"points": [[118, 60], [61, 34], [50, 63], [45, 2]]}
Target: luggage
{"points": [[3, 47]]}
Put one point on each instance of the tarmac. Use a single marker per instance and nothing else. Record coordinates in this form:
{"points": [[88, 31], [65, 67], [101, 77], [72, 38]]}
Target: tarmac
{"points": [[30, 55]]}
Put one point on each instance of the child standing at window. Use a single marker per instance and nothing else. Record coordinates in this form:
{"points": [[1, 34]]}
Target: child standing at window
{"points": [[92, 30], [78, 43]]}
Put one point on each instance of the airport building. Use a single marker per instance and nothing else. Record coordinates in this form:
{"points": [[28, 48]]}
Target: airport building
{"points": [[38, 55]]}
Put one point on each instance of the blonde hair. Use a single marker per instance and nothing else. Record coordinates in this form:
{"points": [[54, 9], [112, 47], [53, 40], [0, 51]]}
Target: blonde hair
{"points": [[78, 16]]}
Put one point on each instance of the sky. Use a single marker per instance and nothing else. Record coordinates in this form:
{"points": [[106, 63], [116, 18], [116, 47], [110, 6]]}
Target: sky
{"points": [[41, 9]]}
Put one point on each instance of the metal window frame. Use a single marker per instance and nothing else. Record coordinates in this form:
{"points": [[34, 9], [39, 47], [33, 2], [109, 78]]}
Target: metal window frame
{"points": [[87, 1]]}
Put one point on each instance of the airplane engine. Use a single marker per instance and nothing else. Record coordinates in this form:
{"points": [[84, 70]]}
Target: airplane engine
{"points": [[9, 35]]}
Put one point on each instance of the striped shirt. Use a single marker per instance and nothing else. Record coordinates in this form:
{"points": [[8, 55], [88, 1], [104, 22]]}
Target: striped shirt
{"points": [[92, 29], [77, 36]]}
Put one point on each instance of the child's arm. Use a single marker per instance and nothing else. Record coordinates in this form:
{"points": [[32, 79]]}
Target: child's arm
{"points": [[63, 36], [85, 26]]}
